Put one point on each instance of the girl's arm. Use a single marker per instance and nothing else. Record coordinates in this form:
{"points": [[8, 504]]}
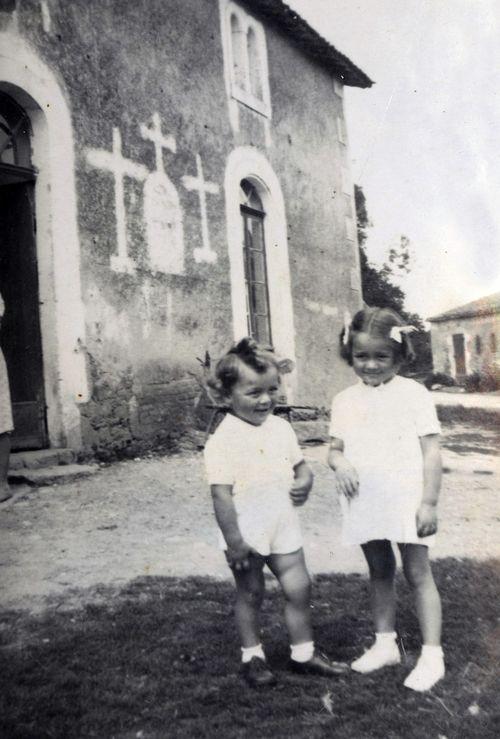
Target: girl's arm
{"points": [[238, 551], [302, 484], [427, 511], [347, 477]]}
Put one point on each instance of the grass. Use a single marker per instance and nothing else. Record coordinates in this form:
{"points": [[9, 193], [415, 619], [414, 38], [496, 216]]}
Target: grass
{"points": [[479, 417], [466, 438], [159, 659]]}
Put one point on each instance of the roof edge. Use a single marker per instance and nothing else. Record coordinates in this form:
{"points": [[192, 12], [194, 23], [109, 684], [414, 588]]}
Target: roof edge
{"points": [[280, 15], [487, 306], [463, 314]]}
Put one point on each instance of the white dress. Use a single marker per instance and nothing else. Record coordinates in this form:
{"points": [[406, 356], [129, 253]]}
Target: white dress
{"points": [[380, 427], [6, 423], [258, 462]]}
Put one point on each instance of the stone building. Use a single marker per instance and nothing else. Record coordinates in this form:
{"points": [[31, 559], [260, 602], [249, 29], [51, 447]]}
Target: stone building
{"points": [[466, 340], [174, 174]]}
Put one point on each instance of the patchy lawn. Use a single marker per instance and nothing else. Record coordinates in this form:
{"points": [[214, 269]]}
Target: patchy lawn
{"points": [[468, 438], [159, 659]]}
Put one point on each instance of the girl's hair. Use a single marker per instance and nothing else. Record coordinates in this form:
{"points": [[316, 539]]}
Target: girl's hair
{"points": [[377, 322], [227, 370]]}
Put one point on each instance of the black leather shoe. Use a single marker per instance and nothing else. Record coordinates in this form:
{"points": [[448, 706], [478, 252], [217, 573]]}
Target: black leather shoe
{"points": [[319, 664], [257, 673]]}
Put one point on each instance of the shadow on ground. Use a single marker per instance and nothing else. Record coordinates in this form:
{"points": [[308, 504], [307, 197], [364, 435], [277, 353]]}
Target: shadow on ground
{"points": [[159, 658], [468, 438]]}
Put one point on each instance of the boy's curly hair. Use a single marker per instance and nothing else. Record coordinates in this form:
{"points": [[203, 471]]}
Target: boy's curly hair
{"points": [[260, 358], [377, 322]]}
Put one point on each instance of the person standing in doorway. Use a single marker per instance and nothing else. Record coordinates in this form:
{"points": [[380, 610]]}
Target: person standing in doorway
{"points": [[6, 422]]}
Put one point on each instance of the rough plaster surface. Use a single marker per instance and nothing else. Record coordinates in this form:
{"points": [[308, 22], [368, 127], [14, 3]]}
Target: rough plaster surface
{"points": [[145, 80]]}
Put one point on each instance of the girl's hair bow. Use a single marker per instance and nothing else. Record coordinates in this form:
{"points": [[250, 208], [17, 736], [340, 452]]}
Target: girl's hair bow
{"points": [[397, 332], [347, 327]]}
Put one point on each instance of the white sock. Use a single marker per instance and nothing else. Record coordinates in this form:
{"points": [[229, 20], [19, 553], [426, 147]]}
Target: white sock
{"points": [[302, 652], [385, 637], [428, 670], [432, 651], [247, 653], [382, 653]]}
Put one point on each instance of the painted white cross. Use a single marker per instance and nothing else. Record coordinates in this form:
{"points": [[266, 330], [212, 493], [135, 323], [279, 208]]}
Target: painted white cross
{"points": [[114, 162], [153, 133], [204, 254]]}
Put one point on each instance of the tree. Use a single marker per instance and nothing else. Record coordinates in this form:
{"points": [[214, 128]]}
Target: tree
{"points": [[378, 287]]}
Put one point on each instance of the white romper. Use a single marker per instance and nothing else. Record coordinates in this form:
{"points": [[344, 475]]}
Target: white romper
{"points": [[258, 462], [380, 427]]}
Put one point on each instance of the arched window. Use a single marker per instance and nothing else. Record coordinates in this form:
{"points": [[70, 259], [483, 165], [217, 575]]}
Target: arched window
{"points": [[493, 343], [254, 64], [479, 345], [245, 61], [254, 252], [15, 146], [238, 52]]}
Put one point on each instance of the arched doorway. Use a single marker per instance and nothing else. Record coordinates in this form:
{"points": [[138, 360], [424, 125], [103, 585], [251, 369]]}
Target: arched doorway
{"points": [[30, 83], [20, 335]]}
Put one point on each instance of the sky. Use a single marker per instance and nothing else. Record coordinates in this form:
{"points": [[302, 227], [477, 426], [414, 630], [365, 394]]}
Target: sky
{"points": [[425, 139]]}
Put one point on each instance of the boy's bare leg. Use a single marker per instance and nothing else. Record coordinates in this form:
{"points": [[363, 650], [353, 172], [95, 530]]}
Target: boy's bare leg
{"points": [[250, 589], [291, 572]]}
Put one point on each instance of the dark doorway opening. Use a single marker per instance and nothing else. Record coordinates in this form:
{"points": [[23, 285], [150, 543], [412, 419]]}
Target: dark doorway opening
{"points": [[459, 355], [20, 335]]}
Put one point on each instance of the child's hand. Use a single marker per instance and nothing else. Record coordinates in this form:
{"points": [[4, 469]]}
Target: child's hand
{"points": [[299, 492], [426, 519], [347, 478], [238, 555]]}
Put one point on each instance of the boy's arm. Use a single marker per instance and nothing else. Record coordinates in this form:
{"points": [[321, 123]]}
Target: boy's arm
{"points": [[238, 550], [347, 477], [432, 465], [302, 484]]}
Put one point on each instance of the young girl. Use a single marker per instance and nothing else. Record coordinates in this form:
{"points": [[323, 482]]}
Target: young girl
{"points": [[385, 453], [257, 476]]}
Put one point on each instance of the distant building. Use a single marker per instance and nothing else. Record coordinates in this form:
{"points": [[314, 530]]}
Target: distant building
{"points": [[173, 175], [466, 339]]}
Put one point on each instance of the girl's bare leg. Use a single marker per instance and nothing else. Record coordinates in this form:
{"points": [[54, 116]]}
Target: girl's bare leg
{"points": [[382, 566], [417, 569], [430, 665]]}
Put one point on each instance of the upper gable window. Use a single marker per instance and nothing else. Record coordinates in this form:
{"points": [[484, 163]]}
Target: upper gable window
{"points": [[247, 63], [238, 53]]}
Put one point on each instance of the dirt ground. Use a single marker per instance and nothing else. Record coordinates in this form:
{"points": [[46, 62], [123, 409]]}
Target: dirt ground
{"points": [[153, 516]]}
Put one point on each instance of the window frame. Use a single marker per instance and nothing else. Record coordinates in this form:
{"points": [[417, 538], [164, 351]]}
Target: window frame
{"points": [[16, 126], [257, 216], [244, 94]]}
